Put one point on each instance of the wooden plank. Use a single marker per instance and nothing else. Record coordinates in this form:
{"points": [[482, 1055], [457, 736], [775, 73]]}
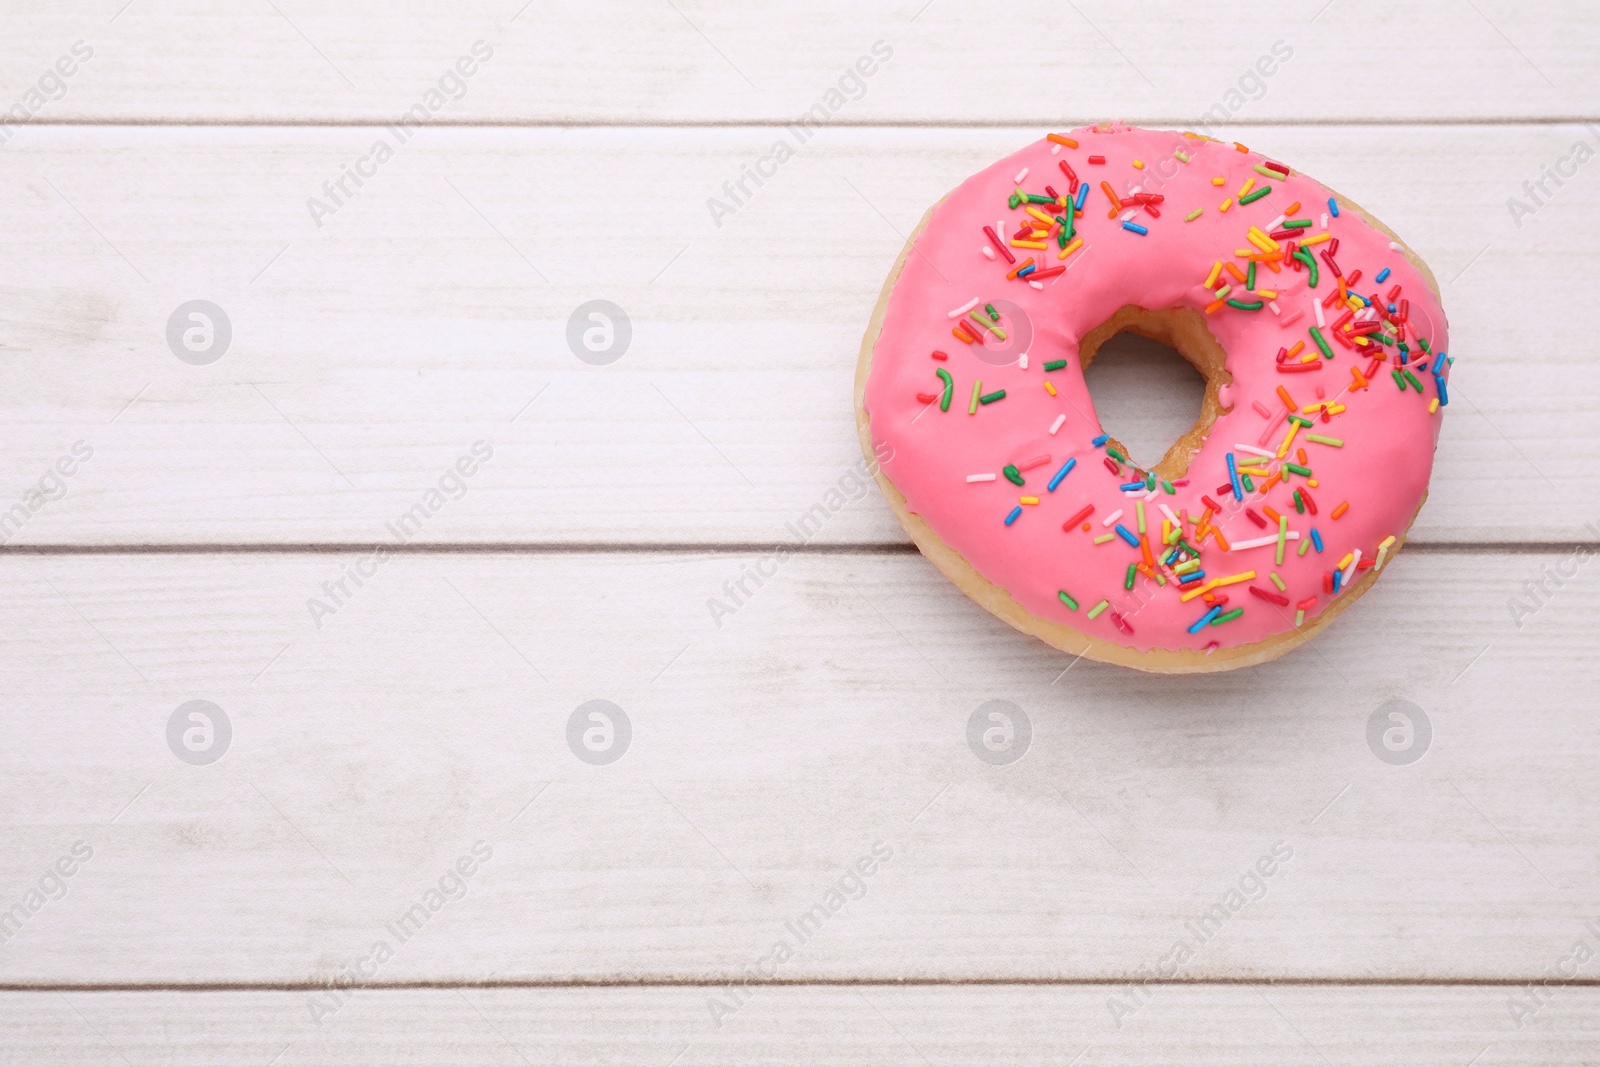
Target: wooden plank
{"points": [[827, 717], [431, 311], [1229, 1025], [697, 61]]}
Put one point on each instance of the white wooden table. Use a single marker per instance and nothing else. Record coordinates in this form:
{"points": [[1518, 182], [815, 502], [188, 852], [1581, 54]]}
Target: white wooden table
{"points": [[219, 908]]}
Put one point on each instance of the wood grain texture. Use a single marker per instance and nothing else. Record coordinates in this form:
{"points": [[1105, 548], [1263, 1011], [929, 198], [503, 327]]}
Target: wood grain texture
{"points": [[1061, 1026], [828, 714], [430, 311], [572, 61]]}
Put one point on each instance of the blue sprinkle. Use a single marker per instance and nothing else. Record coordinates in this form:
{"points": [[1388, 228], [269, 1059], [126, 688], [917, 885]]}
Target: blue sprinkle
{"points": [[1392, 308], [1233, 476], [1015, 512], [1383, 274], [1438, 363], [1316, 539], [1337, 575], [1083, 194], [1102, 439], [1205, 620], [1122, 531], [1031, 267], [1333, 209], [1135, 227], [1128, 487], [1192, 576], [1444, 394], [1066, 469]]}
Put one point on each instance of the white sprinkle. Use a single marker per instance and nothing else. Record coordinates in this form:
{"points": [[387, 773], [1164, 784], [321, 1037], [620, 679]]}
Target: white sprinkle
{"points": [[1324, 220], [1168, 513], [1254, 451], [1055, 150], [1273, 304], [1136, 190], [980, 477], [964, 308], [1275, 223], [1263, 542], [1037, 285], [1152, 494], [1316, 307], [1021, 174], [1000, 228], [987, 251], [1394, 246], [1022, 361], [1344, 583], [1054, 426], [1111, 518], [1129, 216]]}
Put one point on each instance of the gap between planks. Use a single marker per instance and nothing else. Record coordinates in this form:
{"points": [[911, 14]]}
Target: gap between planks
{"points": [[647, 548]]}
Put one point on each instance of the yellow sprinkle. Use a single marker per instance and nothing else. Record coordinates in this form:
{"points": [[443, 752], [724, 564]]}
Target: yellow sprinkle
{"points": [[1028, 244], [1433, 405], [1050, 388], [1311, 482], [1216, 272], [1343, 563], [1030, 500], [1071, 248], [1235, 579], [1262, 242], [1103, 538], [1041, 216], [1138, 164], [1218, 181], [1267, 294], [1317, 240], [1334, 409], [1226, 204], [1246, 187], [1202, 591]]}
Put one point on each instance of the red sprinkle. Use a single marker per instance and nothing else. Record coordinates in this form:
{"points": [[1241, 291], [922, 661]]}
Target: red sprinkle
{"points": [[1097, 160], [927, 398], [999, 245], [1271, 597], [1307, 604], [940, 356], [1079, 517], [1250, 513]]}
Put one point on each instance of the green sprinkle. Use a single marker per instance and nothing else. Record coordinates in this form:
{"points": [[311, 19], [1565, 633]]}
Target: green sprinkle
{"points": [[1322, 343], [994, 316], [990, 398], [1304, 545], [949, 388], [1035, 198], [972, 405], [1295, 468], [1299, 504], [1098, 608], [1118, 456], [1103, 538], [1066, 221], [1424, 343], [1399, 382], [1336, 442], [1067, 600], [1166, 487], [1275, 175], [1412, 378], [1138, 510], [1013, 475], [1055, 364], [1250, 277], [1296, 224], [1191, 216], [1149, 484], [1311, 265], [1249, 486], [1015, 201], [1302, 421], [1182, 156], [1133, 570], [1246, 305], [1385, 338], [1227, 616], [1277, 581], [1251, 198]]}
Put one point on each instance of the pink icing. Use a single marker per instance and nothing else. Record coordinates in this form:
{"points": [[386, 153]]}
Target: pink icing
{"points": [[1388, 435]]}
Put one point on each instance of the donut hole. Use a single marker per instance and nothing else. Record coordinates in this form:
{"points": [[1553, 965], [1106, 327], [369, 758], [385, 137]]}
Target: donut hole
{"points": [[1154, 377]]}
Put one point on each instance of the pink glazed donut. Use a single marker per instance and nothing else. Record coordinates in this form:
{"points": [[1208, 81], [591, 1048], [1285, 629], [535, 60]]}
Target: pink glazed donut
{"points": [[1322, 341]]}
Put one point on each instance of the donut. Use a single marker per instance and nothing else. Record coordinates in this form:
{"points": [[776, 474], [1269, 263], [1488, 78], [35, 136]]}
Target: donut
{"points": [[1319, 334]]}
